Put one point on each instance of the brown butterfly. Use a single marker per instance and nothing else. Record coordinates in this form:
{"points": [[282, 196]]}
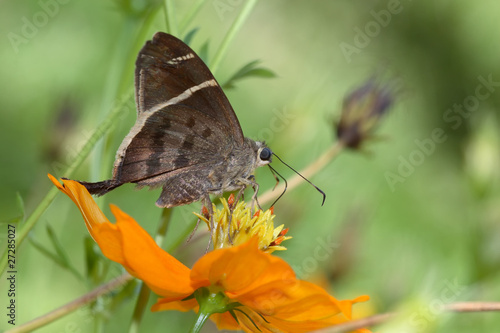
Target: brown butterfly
{"points": [[187, 138]]}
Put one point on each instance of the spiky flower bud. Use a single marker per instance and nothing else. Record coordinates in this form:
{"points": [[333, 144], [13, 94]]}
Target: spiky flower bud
{"points": [[361, 113]]}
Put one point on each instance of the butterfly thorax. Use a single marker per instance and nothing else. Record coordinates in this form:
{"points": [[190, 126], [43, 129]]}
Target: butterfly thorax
{"points": [[237, 168]]}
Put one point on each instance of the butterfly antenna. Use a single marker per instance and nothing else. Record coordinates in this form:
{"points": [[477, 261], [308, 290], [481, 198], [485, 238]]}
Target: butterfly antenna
{"points": [[307, 180], [286, 183]]}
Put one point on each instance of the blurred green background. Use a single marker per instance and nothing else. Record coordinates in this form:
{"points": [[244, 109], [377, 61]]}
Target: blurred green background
{"points": [[411, 223]]}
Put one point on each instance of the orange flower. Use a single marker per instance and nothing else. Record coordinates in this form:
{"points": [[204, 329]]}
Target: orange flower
{"points": [[259, 291]]}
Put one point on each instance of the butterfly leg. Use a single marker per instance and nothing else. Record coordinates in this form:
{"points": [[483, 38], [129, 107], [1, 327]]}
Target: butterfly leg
{"points": [[195, 227], [208, 204], [255, 186], [239, 196]]}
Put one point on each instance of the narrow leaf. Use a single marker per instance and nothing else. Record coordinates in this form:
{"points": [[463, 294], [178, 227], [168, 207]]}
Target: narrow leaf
{"points": [[61, 253], [249, 70], [62, 257], [20, 205], [46, 252], [189, 36], [203, 53]]}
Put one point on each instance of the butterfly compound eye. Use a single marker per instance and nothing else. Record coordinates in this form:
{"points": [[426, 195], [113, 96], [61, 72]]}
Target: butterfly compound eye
{"points": [[265, 154]]}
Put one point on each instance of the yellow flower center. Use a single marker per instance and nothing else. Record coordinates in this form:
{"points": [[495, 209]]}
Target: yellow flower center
{"points": [[235, 225]]}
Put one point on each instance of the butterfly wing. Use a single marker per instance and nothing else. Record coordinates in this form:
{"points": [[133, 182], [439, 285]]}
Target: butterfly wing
{"points": [[169, 72], [184, 125], [169, 141]]}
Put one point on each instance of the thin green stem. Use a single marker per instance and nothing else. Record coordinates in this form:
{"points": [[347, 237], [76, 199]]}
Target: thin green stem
{"points": [[235, 27], [170, 17], [82, 155], [385, 317], [115, 78], [200, 321], [166, 217], [120, 81], [190, 15], [72, 306], [145, 292], [140, 306], [182, 237]]}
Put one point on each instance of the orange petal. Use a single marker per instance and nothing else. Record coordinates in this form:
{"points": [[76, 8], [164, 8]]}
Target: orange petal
{"points": [[290, 299], [165, 304], [347, 304], [267, 286], [164, 274], [91, 213], [127, 243], [225, 321], [239, 268], [318, 311]]}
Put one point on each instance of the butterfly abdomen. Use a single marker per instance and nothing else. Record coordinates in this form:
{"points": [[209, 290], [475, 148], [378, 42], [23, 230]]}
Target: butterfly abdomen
{"points": [[101, 188]]}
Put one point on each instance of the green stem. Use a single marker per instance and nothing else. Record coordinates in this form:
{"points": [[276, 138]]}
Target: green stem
{"points": [[145, 292], [166, 217], [82, 155], [182, 237], [200, 321], [72, 306], [118, 84], [210, 303], [170, 17], [235, 27], [140, 306], [115, 78], [190, 15]]}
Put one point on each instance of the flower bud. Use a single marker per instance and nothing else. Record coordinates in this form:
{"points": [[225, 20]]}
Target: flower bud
{"points": [[361, 113]]}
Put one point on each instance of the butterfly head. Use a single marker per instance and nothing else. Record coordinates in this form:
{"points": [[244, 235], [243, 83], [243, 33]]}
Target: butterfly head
{"points": [[264, 154]]}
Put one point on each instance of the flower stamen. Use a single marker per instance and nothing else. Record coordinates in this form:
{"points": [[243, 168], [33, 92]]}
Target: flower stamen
{"points": [[235, 224]]}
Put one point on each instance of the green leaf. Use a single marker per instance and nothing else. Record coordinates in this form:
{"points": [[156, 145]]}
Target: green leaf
{"points": [[133, 8], [57, 259], [61, 253], [191, 14], [203, 53], [189, 36], [20, 205], [249, 70], [61, 256], [21, 217], [14, 220], [46, 252]]}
